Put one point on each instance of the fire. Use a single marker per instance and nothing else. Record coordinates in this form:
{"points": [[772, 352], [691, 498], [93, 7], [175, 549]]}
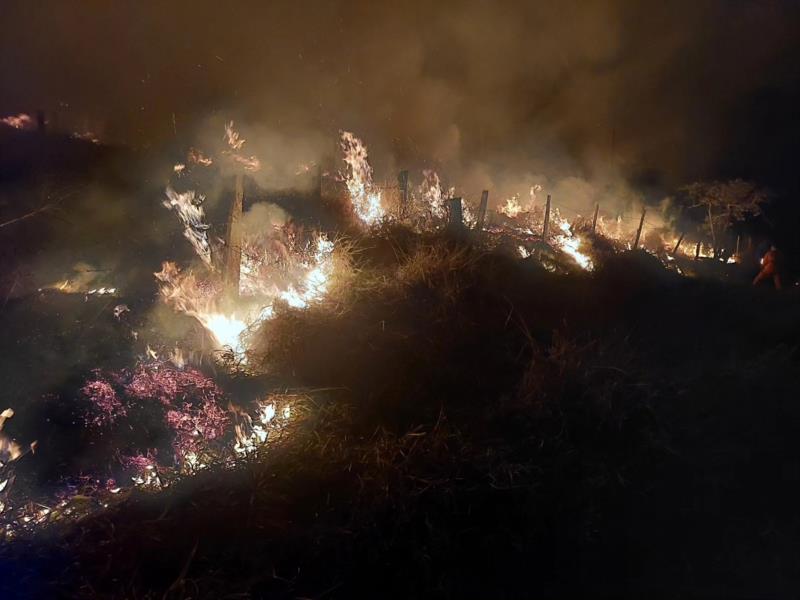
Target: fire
{"points": [[432, 195], [86, 136], [315, 282], [365, 197], [236, 142], [232, 137], [512, 208], [198, 298], [196, 157], [570, 243], [20, 121], [203, 300], [252, 432], [9, 449], [188, 207]]}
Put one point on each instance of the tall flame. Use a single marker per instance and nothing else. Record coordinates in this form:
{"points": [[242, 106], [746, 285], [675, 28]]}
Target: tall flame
{"points": [[365, 197], [432, 195]]}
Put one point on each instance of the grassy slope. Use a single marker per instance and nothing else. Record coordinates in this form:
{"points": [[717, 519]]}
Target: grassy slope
{"points": [[487, 429]]}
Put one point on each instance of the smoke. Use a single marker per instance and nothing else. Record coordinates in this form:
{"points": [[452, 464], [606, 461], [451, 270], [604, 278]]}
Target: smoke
{"points": [[492, 96], [261, 218]]}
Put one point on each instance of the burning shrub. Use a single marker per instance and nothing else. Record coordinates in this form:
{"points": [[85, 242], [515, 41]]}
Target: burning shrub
{"points": [[104, 405], [154, 405]]}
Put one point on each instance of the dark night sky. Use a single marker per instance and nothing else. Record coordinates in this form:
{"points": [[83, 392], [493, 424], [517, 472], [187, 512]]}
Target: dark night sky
{"points": [[661, 92]]}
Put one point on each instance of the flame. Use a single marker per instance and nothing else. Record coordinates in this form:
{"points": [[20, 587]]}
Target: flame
{"points": [[188, 294], [177, 358], [20, 121], [86, 136], [189, 210], [570, 243], [432, 194], [236, 142], [202, 299], [232, 137], [512, 208], [315, 282], [9, 449], [365, 197], [250, 163], [196, 157]]}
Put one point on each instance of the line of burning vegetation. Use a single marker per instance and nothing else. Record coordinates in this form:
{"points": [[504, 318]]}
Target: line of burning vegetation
{"points": [[142, 428]]}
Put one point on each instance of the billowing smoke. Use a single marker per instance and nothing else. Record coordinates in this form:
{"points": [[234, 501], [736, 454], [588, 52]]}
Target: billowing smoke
{"points": [[491, 96]]}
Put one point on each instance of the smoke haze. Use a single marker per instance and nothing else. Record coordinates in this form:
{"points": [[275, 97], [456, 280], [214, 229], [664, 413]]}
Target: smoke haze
{"points": [[492, 94]]}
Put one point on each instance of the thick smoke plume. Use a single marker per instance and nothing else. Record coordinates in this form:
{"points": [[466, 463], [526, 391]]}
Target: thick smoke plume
{"points": [[491, 95]]}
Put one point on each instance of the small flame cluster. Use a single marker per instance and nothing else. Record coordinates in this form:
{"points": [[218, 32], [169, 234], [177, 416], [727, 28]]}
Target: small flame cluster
{"points": [[20, 121]]}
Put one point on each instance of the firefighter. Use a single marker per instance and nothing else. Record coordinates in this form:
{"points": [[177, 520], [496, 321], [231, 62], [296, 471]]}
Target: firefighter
{"points": [[771, 267]]}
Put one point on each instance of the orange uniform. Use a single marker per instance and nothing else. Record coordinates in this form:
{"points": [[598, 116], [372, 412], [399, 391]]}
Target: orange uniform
{"points": [[770, 268]]}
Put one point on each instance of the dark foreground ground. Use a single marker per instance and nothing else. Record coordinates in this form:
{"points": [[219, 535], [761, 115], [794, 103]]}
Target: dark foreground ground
{"points": [[481, 428]]}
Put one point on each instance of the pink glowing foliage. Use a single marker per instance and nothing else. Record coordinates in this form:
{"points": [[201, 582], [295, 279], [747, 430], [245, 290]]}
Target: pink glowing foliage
{"points": [[138, 462], [191, 403], [195, 426], [169, 385], [104, 405]]}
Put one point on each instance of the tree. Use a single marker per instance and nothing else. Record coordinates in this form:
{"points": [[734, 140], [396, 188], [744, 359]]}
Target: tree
{"points": [[725, 202]]}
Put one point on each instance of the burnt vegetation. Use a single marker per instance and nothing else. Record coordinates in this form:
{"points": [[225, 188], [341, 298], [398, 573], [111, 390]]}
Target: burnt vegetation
{"points": [[472, 425]]}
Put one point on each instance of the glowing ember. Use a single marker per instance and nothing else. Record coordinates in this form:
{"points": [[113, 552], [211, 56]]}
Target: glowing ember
{"points": [[365, 197]]}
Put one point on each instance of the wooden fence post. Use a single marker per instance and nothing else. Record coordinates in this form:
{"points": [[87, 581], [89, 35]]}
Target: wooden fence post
{"points": [[456, 221], [233, 255], [41, 121], [402, 182], [546, 227], [697, 251], [482, 210], [594, 219], [639, 231]]}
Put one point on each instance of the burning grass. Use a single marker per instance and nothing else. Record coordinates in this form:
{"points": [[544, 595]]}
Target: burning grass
{"points": [[467, 424]]}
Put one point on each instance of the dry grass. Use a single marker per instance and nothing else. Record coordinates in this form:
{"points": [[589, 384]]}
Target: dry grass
{"points": [[480, 428]]}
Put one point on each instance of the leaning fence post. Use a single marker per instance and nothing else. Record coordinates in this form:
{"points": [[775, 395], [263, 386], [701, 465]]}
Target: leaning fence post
{"points": [[594, 219], [697, 251], [482, 210], [677, 245], [639, 231], [546, 227]]}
